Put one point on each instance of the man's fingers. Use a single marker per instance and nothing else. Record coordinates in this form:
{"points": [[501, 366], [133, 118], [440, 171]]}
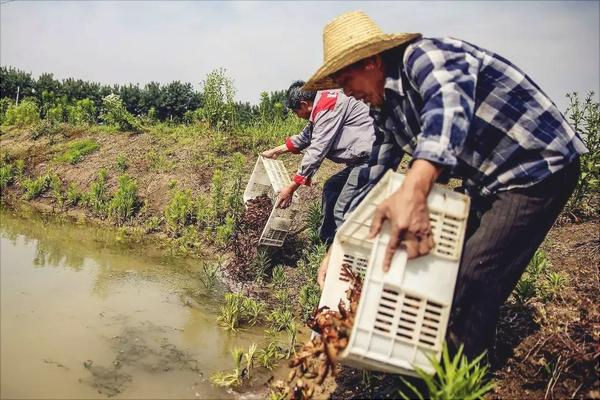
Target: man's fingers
{"points": [[378, 219], [412, 247], [391, 248]]}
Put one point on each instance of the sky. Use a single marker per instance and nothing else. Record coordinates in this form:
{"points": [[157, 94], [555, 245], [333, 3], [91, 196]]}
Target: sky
{"points": [[264, 46]]}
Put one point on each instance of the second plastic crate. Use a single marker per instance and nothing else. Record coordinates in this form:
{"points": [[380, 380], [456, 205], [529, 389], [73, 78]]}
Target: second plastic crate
{"points": [[402, 315], [268, 178]]}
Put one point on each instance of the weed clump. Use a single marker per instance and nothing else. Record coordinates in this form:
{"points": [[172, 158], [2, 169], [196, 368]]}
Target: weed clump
{"points": [[77, 150]]}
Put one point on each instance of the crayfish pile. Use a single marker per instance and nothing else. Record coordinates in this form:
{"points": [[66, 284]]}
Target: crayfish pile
{"points": [[245, 241], [318, 357]]}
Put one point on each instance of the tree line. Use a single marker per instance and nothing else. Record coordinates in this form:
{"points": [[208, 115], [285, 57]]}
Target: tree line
{"points": [[175, 101]]}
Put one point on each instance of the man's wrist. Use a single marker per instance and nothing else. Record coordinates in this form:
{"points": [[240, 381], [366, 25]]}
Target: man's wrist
{"points": [[421, 176]]}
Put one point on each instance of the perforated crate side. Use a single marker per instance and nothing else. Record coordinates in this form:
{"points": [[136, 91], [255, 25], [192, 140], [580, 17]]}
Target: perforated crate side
{"points": [[403, 314], [259, 183], [277, 173]]}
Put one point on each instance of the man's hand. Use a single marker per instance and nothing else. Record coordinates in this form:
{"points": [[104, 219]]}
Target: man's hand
{"points": [[286, 195], [406, 210], [323, 270], [271, 153]]}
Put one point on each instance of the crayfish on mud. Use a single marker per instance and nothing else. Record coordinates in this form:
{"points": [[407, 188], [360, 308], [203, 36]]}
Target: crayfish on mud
{"points": [[318, 357]]}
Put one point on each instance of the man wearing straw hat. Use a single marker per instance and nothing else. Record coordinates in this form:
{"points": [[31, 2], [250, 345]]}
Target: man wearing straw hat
{"points": [[460, 111]]}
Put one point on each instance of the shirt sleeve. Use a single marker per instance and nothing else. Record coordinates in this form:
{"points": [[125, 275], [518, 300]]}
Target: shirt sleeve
{"points": [[325, 130], [446, 77], [295, 144]]}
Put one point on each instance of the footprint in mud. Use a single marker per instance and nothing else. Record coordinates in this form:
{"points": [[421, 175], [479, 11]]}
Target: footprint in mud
{"points": [[140, 348]]}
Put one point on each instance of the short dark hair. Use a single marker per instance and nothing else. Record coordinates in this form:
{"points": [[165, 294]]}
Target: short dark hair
{"points": [[295, 95]]}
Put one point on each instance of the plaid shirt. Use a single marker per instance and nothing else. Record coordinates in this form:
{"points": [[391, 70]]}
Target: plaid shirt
{"points": [[473, 112]]}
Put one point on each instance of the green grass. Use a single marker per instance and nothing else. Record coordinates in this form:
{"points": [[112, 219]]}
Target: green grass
{"points": [[125, 203], [455, 378], [78, 149], [34, 187]]}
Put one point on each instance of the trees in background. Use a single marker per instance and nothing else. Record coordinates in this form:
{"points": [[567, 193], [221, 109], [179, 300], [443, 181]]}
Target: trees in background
{"points": [[176, 101]]}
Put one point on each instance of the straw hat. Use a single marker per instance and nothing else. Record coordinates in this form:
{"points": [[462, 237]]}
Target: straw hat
{"points": [[347, 39]]}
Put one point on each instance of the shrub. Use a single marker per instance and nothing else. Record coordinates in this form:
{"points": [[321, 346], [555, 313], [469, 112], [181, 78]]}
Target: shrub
{"points": [[115, 114], [6, 175], [98, 198], [125, 203], [225, 231], [216, 196], [56, 189], [26, 113], [219, 106], [180, 211], [83, 112], [585, 119], [77, 150], [5, 103], [33, 188]]}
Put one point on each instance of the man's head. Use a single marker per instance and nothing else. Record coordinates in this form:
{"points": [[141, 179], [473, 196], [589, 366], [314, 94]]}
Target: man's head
{"points": [[351, 45], [364, 80], [300, 101]]}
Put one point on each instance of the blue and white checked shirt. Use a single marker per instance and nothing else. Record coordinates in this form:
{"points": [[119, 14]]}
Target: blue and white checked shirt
{"points": [[473, 112]]}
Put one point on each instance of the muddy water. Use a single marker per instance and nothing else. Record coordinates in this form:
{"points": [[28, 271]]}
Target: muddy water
{"points": [[87, 314]]}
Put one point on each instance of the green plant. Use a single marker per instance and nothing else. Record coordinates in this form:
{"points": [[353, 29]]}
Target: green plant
{"points": [[280, 320], [125, 203], [237, 310], [209, 275], [77, 150], [234, 377], [261, 264], [56, 189], [122, 165], [20, 168], [225, 231], [73, 196], [235, 205], [159, 161], [585, 119], [313, 256], [26, 113], [179, 211], [6, 175], [153, 224], [268, 356], [455, 378], [556, 283], [219, 107], [309, 297], [32, 188], [216, 196], [97, 198], [314, 219], [278, 276], [115, 114], [526, 289], [83, 112]]}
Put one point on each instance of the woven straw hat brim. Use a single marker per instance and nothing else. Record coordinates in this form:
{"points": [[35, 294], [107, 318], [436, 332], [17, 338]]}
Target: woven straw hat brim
{"points": [[322, 78]]}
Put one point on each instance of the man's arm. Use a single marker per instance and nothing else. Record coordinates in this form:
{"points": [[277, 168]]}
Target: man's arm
{"points": [[446, 78]]}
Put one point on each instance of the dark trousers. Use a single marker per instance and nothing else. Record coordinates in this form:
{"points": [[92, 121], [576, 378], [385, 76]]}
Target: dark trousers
{"points": [[331, 193], [503, 233]]}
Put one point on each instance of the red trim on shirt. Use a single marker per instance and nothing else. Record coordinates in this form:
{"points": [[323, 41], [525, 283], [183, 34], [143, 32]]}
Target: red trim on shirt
{"points": [[290, 146], [327, 100], [301, 180]]}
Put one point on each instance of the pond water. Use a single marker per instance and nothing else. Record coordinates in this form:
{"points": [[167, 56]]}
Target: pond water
{"points": [[86, 314]]}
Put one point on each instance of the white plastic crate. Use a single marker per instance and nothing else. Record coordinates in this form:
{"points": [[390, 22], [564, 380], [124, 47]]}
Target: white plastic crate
{"points": [[402, 314], [268, 178]]}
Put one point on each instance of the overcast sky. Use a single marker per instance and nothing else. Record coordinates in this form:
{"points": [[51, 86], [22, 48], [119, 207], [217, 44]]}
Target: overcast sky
{"points": [[266, 45]]}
